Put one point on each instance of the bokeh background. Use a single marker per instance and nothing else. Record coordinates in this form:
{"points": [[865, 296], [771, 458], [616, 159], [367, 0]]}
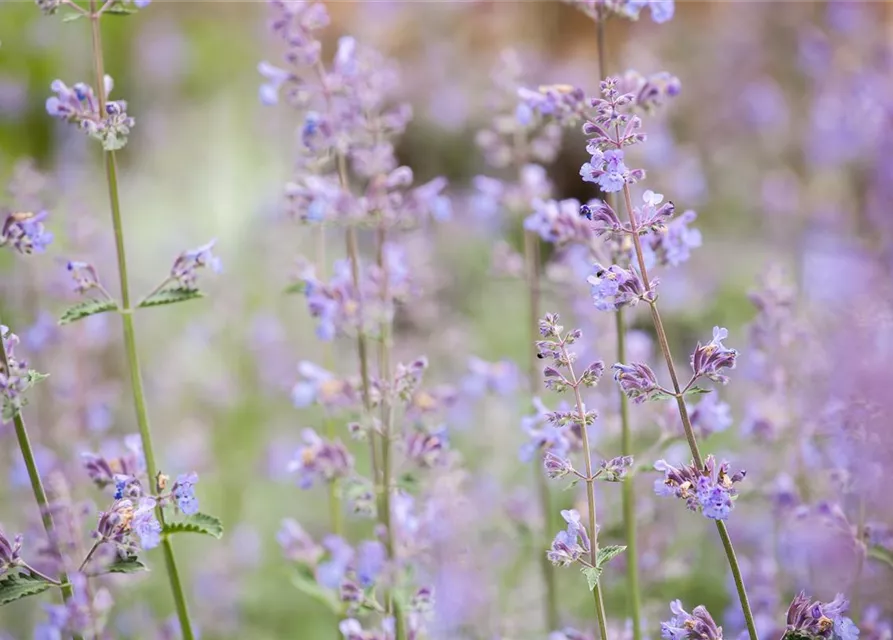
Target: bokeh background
{"points": [[781, 140]]}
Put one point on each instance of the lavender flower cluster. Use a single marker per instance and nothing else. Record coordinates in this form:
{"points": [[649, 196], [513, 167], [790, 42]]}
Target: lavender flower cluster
{"points": [[406, 514]]}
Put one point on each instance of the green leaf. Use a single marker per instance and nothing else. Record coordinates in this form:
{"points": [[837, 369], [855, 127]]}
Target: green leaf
{"points": [[881, 554], [33, 377], [16, 587], [119, 10], [608, 553], [87, 308], [71, 17], [295, 287], [130, 564], [697, 391], [197, 523], [592, 575], [307, 584], [408, 481], [171, 296], [573, 483]]}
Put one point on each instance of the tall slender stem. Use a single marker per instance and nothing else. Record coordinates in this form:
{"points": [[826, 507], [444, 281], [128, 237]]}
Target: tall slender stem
{"points": [[387, 420], [40, 495], [628, 494], [686, 420], [136, 382], [532, 261], [590, 496]]}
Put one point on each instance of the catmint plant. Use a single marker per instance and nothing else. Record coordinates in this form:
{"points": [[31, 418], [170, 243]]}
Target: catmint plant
{"points": [[347, 174], [24, 233], [136, 518], [611, 131], [576, 545]]}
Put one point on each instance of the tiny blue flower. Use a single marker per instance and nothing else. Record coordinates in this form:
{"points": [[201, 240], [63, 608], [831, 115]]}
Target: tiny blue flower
{"points": [[184, 493]]}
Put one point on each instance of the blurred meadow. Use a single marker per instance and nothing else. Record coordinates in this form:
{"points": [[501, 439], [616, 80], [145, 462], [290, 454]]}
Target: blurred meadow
{"points": [[781, 139]]}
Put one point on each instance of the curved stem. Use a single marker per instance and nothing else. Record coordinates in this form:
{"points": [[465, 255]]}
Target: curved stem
{"points": [[590, 496], [686, 420], [532, 262], [136, 382], [40, 495]]}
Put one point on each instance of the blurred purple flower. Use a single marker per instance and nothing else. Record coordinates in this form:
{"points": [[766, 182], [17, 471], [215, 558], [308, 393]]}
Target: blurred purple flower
{"points": [[24, 232], [500, 377], [697, 625], [320, 460], [185, 267]]}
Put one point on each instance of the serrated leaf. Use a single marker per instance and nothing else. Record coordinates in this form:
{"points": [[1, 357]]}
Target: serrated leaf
{"points": [[608, 553], [196, 523], [307, 584], [130, 564], [697, 391], [881, 554], [295, 287], [87, 308], [120, 11], [660, 395], [16, 587], [171, 296], [592, 575]]}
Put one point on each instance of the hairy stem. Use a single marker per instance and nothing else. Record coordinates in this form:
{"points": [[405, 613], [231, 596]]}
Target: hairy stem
{"points": [[532, 262], [628, 494], [590, 497], [40, 495], [686, 420], [136, 382]]}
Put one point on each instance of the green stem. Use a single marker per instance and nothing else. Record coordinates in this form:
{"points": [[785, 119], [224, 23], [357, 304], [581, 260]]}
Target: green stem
{"points": [[387, 411], [136, 382], [686, 420], [532, 261], [628, 494], [40, 495], [590, 496]]}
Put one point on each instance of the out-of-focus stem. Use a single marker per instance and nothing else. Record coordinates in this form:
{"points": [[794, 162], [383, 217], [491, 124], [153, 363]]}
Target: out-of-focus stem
{"points": [[590, 497], [532, 262], [136, 382], [387, 420], [40, 495], [856, 607], [686, 420], [628, 494]]}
